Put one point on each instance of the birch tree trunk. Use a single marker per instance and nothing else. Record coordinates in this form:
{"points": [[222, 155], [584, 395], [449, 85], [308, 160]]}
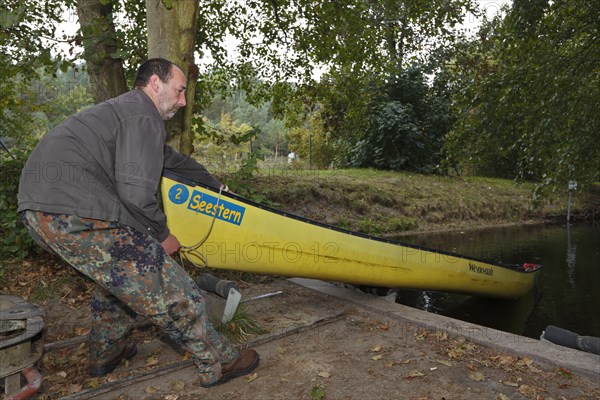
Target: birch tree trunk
{"points": [[107, 77], [171, 35]]}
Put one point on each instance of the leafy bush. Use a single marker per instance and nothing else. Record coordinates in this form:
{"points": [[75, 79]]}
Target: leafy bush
{"points": [[15, 242], [29, 106], [408, 122]]}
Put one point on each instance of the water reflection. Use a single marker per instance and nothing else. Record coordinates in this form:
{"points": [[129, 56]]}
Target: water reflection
{"points": [[571, 256], [567, 294]]}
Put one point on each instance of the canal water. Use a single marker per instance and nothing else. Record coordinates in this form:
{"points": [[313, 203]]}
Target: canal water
{"points": [[567, 294]]}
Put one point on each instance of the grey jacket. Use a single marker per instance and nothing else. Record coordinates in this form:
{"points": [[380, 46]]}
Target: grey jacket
{"points": [[105, 163]]}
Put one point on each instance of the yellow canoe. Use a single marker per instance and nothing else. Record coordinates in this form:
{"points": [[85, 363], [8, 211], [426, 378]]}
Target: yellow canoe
{"points": [[226, 231]]}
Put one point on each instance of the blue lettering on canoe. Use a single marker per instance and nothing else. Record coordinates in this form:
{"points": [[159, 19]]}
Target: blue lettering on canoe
{"points": [[221, 209]]}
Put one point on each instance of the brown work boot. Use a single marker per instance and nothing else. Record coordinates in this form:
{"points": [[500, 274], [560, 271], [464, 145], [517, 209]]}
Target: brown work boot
{"points": [[244, 365], [129, 351]]}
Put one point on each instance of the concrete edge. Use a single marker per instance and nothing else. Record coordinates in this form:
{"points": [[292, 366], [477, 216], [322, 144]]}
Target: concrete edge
{"points": [[546, 353]]}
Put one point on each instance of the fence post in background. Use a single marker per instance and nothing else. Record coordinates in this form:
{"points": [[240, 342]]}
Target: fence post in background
{"points": [[310, 151]]}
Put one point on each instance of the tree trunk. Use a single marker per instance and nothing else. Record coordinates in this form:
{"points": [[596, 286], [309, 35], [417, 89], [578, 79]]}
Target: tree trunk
{"points": [[106, 73], [171, 35]]}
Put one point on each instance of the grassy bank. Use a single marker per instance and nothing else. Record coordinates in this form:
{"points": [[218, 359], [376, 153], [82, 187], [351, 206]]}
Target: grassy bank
{"points": [[388, 203]]}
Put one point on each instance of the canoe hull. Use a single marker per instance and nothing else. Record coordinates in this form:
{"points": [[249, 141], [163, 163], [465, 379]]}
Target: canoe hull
{"points": [[248, 237]]}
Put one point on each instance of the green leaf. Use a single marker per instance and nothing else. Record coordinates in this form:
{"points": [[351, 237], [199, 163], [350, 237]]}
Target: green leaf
{"points": [[64, 66], [317, 393], [10, 18]]}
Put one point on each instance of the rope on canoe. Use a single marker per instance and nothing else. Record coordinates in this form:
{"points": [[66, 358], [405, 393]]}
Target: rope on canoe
{"points": [[194, 250]]}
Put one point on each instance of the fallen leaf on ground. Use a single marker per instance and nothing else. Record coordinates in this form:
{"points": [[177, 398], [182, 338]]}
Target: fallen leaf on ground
{"points": [[82, 330], [93, 383], [444, 362], [470, 347], [60, 361], [564, 372], [456, 353], [152, 361], [525, 362], [534, 369], [252, 377], [376, 349], [476, 376], [324, 374], [472, 367], [441, 335], [151, 389], [83, 347], [74, 388], [527, 390], [414, 374], [503, 359], [377, 357], [502, 397], [511, 384]]}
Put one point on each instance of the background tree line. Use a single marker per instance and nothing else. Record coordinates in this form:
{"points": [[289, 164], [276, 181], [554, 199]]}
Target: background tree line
{"points": [[398, 87]]}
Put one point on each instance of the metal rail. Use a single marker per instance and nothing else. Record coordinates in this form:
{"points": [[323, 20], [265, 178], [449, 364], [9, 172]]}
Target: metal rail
{"points": [[167, 369]]}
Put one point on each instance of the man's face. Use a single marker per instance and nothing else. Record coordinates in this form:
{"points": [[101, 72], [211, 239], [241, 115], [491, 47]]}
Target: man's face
{"points": [[171, 94]]}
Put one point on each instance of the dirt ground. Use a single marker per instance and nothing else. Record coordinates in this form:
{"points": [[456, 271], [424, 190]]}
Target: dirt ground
{"points": [[314, 347]]}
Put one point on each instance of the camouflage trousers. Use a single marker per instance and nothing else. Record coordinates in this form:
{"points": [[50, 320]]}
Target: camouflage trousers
{"points": [[133, 275]]}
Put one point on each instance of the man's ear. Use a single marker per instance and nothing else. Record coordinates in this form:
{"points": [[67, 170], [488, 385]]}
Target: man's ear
{"points": [[153, 82]]}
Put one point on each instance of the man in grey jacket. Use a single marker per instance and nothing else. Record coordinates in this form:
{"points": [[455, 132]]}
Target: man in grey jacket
{"points": [[88, 193]]}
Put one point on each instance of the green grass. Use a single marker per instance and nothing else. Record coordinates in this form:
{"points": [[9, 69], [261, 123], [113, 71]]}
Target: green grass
{"points": [[387, 203], [241, 327]]}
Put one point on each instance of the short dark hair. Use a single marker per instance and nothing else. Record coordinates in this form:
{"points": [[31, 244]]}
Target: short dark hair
{"points": [[154, 66]]}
